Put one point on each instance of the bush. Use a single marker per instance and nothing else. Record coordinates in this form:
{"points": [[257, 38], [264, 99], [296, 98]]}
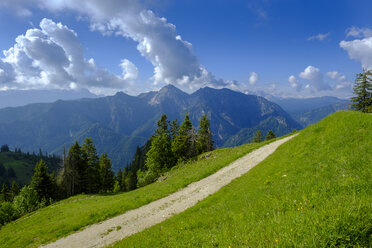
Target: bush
{"points": [[27, 201], [7, 213]]}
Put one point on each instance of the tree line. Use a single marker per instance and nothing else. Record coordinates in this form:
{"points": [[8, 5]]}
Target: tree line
{"points": [[170, 145], [83, 171]]}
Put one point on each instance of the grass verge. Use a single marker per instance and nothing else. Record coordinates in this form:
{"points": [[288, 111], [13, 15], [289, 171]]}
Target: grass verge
{"points": [[314, 191]]}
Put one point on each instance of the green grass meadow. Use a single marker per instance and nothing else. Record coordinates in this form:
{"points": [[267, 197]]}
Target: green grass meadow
{"points": [[70, 215], [314, 191]]}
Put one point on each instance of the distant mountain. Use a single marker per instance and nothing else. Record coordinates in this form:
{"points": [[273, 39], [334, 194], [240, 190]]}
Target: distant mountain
{"points": [[315, 115], [301, 105], [16, 98], [307, 111], [120, 123]]}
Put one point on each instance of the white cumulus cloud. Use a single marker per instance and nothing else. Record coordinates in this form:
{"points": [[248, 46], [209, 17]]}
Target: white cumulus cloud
{"points": [[360, 50], [52, 57], [172, 57], [253, 78], [295, 83], [341, 81], [315, 78]]}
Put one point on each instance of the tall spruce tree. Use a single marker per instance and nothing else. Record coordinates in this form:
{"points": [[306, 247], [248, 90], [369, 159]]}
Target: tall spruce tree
{"points": [[74, 167], [160, 155], [106, 173], [41, 181], [91, 174], [362, 101], [204, 136], [181, 144]]}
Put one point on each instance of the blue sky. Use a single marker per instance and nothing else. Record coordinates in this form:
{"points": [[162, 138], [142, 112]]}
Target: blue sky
{"points": [[283, 48]]}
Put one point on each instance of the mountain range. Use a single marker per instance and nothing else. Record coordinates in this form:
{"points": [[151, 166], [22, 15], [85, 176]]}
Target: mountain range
{"points": [[120, 123], [16, 98]]}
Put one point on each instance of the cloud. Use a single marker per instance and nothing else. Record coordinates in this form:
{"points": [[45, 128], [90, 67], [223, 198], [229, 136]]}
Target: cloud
{"points": [[360, 50], [130, 71], [295, 83], [172, 57], [358, 32], [319, 36], [315, 78], [52, 57], [253, 78], [340, 79]]}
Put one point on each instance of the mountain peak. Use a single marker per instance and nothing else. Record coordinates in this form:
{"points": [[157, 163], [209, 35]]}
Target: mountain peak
{"points": [[168, 92]]}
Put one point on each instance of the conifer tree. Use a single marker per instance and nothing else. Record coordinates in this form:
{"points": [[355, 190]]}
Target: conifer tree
{"points": [[41, 181], [362, 101], [5, 193], [174, 129], [14, 189], [106, 173], [182, 142], [91, 177], [160, 155], [73, 169], [257, 137], [204, 136], [270, 135]]}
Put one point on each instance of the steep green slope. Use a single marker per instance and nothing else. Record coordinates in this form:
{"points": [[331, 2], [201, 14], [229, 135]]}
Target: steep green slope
{"points": [[314, 191], [70, 215]]}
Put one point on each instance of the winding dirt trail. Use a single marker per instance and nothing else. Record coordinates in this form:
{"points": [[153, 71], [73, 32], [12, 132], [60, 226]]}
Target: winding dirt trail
{"points": [[136, 220]]}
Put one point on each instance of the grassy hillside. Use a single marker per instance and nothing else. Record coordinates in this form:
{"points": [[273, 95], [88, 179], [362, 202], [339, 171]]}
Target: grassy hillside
{"points": [[65, 217], [23, 165], [314, 191]]}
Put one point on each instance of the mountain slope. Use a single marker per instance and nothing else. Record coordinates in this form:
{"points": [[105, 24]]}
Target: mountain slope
{"points": [[314, 191], [120, 123], [67, 216]]}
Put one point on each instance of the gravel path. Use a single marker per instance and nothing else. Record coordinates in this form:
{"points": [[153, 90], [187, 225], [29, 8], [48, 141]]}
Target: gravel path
{"points": [[136, 220]]}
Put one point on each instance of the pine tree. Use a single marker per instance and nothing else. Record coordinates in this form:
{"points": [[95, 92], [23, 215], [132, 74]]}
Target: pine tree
{"points": [[160, 155], [174, 129], [5, 193], [257, 137], [182, 142], [270, 135], [362, 101], [91, 174], [204, 136], [14, 189], [41, 181], [106, 173], [74, 167]]}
